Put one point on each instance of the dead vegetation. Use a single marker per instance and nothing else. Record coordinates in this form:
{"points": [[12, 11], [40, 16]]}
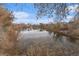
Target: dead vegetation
{"points": [[9, 34]]}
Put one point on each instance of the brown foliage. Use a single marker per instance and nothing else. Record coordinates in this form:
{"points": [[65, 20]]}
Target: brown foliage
{"points": [[20, 27], [10, 35]]}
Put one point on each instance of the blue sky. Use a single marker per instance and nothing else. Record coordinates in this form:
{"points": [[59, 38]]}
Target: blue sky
{"points": [[25, 13]]}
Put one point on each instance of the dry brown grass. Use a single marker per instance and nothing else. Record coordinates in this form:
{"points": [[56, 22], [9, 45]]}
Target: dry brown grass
{"points": [[10, 38], [48, 49], [43, 49]]}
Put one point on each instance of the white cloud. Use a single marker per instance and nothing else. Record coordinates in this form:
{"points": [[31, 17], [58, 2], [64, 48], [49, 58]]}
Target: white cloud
{"points": [[69, 18], [45, 21], [20, 15], [73, 8], [24, 17]]}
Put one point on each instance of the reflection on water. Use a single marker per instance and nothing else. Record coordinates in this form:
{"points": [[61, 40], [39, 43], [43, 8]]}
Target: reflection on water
{"points": [[27, 37], [34, 34]]}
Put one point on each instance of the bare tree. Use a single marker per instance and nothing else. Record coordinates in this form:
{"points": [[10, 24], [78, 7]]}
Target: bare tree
{"points": [[57, 10]]}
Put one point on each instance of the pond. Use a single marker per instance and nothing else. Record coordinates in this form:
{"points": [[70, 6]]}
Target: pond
{"points": [[27, 38]]}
